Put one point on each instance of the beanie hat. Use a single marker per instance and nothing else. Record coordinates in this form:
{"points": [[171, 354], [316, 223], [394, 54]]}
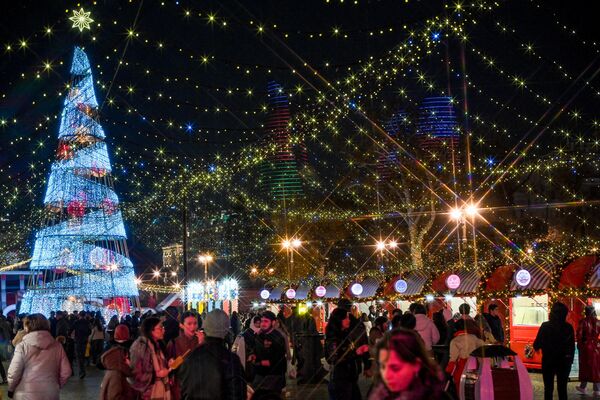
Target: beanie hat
{"points": [[121, 333], [269, 315], [216, 324]]}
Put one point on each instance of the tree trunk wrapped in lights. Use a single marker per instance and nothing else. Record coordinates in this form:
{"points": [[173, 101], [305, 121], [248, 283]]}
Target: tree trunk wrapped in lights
{"points": [[80, 256]]}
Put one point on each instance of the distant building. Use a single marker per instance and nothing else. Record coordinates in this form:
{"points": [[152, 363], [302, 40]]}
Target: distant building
{"points": [[280, 177], [437, 128], [173, 258]]}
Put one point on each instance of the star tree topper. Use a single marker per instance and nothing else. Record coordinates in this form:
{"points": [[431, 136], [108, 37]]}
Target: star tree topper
{"points": [[81, 19]]}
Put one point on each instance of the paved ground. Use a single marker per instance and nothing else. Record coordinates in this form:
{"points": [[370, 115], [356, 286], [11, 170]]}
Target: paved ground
{"points": [[88, 388]]}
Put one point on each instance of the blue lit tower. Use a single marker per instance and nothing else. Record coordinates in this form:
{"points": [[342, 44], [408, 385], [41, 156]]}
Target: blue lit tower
{"points": [[280, 177], [81, 253], [389, 159], [437, 128]]}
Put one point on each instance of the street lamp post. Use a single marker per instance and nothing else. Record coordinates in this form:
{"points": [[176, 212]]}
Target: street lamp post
{"points": [[205, 259], [460, 215], [289, 245]]}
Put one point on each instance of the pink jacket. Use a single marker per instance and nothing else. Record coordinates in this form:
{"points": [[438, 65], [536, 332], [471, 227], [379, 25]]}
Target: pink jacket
{"points": [[39, 368], [427, 330]]}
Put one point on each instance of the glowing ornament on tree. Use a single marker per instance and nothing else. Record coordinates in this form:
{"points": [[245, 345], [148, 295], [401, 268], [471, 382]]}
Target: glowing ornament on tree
{"points": [[264, 294], [356, 289], [523, 277], [290, 293], [108, 206], [453, 281], [76, 208], [400, 286], [320, 291]]}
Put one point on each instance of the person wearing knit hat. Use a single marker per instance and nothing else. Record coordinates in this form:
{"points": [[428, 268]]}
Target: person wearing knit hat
{"points": [[213, 362], [121, 334], [115, 361], [216, 324]]}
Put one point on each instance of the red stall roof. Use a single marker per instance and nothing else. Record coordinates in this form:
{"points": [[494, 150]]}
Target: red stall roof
{"points": [[576, 273], [501, 278], [595, 278]]}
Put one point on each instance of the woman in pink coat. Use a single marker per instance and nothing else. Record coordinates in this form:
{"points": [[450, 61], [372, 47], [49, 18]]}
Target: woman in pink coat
{"points": [[589, 351], [39, 367]]}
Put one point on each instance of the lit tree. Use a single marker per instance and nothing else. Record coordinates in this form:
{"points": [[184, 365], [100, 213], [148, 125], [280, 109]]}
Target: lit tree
{"points": [[80, 254]]}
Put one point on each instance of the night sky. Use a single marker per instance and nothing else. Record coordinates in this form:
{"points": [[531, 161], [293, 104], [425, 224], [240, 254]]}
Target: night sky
{"points": [[182, 84]]}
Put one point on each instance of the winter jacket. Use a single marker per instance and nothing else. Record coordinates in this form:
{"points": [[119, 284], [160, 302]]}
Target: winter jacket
{"points": [[211, 372], [461, 347], [427, 330], [39, 368], [270, 346], [5, 331], [589, 349], [496, 327], [463, 344], [140, 355], [114, 385], [340, 352], [556, 339], [81, 330], [176, 348], [62, 327]]}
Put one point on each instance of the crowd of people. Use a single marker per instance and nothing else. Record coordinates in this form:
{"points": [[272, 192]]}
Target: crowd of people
{"points": [[405, 355]]}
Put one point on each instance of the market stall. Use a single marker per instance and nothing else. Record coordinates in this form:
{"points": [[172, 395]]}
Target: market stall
{"points": [[455, 288], [404, 289], [529, 308]]}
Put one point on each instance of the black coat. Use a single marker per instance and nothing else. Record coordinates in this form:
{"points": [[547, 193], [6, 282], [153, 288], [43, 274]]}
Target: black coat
{"points": [[82, 330], [270, 346], [211, 372], [62, 327], [340, 350], [557, 341], [495, 326]]}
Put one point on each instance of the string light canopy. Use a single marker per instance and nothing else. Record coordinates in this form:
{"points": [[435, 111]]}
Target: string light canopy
{"points": [[189, 137]]}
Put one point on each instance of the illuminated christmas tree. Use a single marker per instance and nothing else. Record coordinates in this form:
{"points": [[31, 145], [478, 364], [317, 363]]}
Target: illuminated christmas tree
{"points": [[81, 253], [280, 176]]}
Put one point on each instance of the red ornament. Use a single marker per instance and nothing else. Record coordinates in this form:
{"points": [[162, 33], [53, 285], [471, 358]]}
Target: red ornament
{"points": [[64, 152], [108, 206], [76, 208]]}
